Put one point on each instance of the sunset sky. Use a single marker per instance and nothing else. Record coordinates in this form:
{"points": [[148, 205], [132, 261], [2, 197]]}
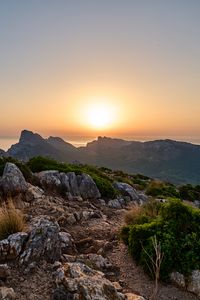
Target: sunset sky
{"points": [[100, 67]]}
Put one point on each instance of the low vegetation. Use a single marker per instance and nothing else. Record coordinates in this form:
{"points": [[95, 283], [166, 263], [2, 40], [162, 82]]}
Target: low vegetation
{"points": [[11, 220], [177, 229]]}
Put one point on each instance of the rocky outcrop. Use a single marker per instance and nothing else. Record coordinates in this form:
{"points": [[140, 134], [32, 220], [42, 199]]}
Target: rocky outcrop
{"points": [[12, 181], [43, 243], [78, 281], [70, 184], [127, 190]]}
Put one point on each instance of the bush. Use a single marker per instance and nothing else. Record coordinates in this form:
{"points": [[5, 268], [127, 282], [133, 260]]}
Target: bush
{"points": [[189, 192], [177, 228], [11, 221], [161, 189]]}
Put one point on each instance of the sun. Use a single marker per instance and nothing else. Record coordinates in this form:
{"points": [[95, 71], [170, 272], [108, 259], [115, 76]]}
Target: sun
{"points": [[99, 115]]}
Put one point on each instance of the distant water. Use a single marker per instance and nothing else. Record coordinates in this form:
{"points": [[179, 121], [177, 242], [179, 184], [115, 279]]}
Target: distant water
{"points": [[6, 142]]}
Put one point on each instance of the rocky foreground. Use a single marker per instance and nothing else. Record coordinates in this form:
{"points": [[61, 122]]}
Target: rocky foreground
{"points": [[70, 249]]}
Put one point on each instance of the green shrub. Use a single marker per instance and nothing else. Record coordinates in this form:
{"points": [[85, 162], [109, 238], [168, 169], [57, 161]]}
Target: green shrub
{"points": [[189, 192], [177, 228], [161, 189]]}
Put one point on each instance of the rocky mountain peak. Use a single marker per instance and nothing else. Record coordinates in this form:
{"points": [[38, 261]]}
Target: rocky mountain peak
{"points": [[28, 137]]}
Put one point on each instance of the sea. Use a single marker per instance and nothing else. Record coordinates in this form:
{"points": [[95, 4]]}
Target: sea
{"points": [[7, 142]]}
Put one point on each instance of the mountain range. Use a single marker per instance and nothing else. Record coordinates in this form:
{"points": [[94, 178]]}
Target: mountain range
{"points": [[169, 160]]}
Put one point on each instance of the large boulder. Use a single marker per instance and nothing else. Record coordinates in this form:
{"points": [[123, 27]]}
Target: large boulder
{"points": [[44, 242], [126, 190], [74, 190], [87, 187], [78, 281], [12, 181]]}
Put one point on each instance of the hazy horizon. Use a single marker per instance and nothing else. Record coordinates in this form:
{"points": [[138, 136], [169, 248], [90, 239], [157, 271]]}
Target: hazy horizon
{"points": [[109, 67], [78, 141]]}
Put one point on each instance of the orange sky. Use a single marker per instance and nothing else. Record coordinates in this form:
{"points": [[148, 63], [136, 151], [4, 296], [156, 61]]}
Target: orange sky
{"points": [[59, 58]]}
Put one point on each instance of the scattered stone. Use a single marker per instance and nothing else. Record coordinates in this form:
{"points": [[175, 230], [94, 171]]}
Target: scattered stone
{"points": [[34, 193], [97, 262], [11, 247], [71, 219], [115, 204], [85, 283], [67, 243], [4, 271], [178, 279], [7, 293], [12, 181]]}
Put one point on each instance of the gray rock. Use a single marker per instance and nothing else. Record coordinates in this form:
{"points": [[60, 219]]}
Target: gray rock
{"points": [[86, 283], [194, 283], [49, 179], [74, 190], [71, 219], [126, 190], [178, 279], [67, 243], [7, 293], [65, 182], [115, 203], [34, 193], [43, 242], [11, 247], [12, 181], [87, 187], [98, 262]]}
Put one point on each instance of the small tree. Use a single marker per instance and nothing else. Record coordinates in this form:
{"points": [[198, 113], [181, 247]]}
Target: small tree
{"points": [[155, 264]]}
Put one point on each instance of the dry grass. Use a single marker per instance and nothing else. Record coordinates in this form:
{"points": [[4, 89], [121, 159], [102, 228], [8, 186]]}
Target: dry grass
{"points": [[11, 220], [132, 215]]}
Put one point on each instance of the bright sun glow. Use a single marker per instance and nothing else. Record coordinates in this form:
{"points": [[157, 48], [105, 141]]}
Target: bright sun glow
{"points": [[99, 115]]}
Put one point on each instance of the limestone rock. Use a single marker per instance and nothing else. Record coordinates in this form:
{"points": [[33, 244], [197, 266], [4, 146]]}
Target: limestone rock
{"points": [[7, 293], [11, 247], [126, 190], [87, 187], [178, 279], [115, 203], [194, 283], [12, 181], [74, 190], [82, 282], [49, 179], [67, 243], [43, 242], [98, 262], [34, 193]]}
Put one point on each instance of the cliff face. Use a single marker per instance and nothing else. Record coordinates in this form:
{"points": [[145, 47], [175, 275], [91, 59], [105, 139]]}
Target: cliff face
{"points": [[170, 160]]}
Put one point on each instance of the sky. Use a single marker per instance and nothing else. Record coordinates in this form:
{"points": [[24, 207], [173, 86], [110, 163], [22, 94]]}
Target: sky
{"points": [[100, 67]]}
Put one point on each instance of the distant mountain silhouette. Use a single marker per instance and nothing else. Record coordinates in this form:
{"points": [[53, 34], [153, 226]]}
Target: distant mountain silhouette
{"points": [[178, 162]]}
